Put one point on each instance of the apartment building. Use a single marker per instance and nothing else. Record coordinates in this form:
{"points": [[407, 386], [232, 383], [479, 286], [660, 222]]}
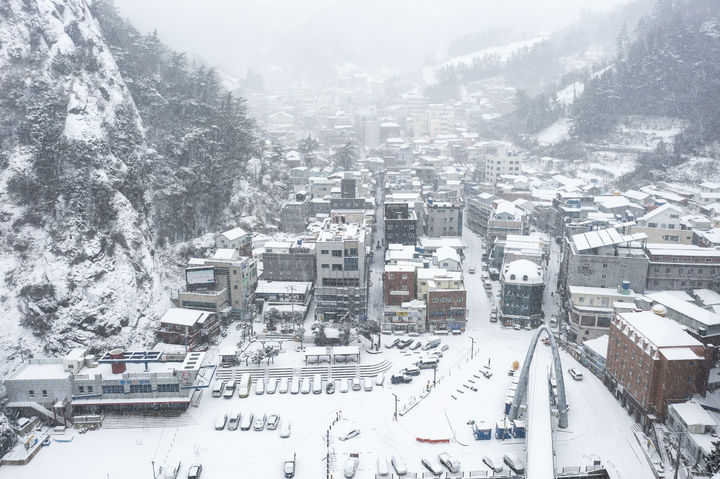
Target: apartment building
{"points": [[681, 266], [399, 283], [478, 210], [591, 309], [341, 271], [664, 225], [652, 362], [237, 239], [497, 159], [443, 219], [400, 223], [521, 293], [288, 261], [506, 219]]}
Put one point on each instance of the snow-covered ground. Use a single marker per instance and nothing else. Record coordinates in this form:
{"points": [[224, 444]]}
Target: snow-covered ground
{"points": [[599, 427], [503, 51], [558, 131]]}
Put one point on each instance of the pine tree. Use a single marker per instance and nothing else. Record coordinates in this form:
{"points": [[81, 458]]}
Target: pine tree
{"points": [[712, 461]]}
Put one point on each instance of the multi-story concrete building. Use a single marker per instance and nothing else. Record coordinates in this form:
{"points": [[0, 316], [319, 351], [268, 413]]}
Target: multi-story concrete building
{"points": [[294, 214], [664, 225], [591, 309], [506, 219], [400, 224], [189, 327], [521, 293], [224, 283], [341, 271], [478, 210], [604, 259], [289, 261], [399, 283], [443, 219], [79, 383], [497, 159], [700, 321], [681, 266], [446, 308], [408, 317], [652, 362]]}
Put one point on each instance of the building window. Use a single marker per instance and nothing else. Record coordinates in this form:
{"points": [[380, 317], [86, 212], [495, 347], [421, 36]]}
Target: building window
{"points": [[324, 251], [459, 299], [692, 363], [31, 393], [44, 392], [337, 267], [404, 276], [337, 253], [90, 389], [404, 287], [690, 379], [168, 388], [325, 266], [113, 389], [434, 300], [391, 276], [141, 388], [81, 389]]}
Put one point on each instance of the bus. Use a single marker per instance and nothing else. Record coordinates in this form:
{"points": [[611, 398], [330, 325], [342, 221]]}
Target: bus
{"points": [[244, 386]]}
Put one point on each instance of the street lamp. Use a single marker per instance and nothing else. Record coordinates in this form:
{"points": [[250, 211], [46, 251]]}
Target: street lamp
{"points": [[396, 403]]}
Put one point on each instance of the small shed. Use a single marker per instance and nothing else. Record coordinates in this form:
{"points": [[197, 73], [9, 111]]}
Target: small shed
{"points": [[503, 429], [482, 431], [519, 428]]}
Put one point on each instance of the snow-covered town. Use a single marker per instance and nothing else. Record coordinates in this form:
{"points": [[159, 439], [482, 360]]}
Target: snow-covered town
{"points": [[498, 259]]}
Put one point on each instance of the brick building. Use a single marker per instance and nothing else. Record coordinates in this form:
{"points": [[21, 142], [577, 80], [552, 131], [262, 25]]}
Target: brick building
{"points": [[652, 362], [446, 309], [398, 284]]}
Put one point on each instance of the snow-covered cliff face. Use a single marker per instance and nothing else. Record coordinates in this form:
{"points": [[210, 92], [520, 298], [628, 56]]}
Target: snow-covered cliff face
{"points": [[76, 255]]}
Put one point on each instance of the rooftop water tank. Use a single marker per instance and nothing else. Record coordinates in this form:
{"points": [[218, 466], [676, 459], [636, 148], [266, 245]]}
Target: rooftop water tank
{"points": [[659, 309], [119, 367]]}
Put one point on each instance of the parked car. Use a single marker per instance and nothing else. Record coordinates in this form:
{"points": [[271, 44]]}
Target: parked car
{"points": [[220, 422], [428, 363], [259, 423], [330, 387], [472, 270], [283, 386], [401, 379], [351, 466], [380, 379], [295, 385], [171, 470], [350, 434], [233, 421], [272, 422], [285, 429], [445, 347], [576, 375], [356, 386], [399, 465], [452, 464], [414, 371], [317, 384], [260, 386], [493, 318], [383, 470], [494, 465], [194, 471], [432, 466], [218, 388], [393, 344], [246, 422], [514, 463], [344, 385], [289, 466], [306, 386], [229, 390], [417, 345], [271, 386], [368, 384]]}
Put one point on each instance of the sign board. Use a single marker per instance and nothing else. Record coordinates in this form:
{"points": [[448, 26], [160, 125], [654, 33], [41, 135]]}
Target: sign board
{"points": [[200, 276]]}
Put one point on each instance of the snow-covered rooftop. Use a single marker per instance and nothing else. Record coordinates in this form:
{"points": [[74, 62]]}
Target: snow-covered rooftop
{"points": [[661, 332], [233, 234], [183, 316], [523, 271], [693, 414], [598, 345]]}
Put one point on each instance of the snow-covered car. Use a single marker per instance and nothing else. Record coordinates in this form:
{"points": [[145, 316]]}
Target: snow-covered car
{"points": [[259, 423], [295, 385], [414, 371], [306, 386], [472, 270], [272, 422], [445, 347], [514, 463], [344, 385], [351, 466], [260, 387], [576, 375], [494, 465], [380, 379], [285, 429], [271, 386], [393, 344], [452, 464], [368, 384], [356, 386], [233, 421], [432, 466], [229, 390], [246, 422], [289, 465], [220, 422], [417, 345], [399, 465], [350, 434], [400, 379], [194, 471], [383, 470], [283, 386], [330, 387]]}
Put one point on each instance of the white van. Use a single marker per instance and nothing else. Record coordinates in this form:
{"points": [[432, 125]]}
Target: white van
{"points": [[317, 384], [382, 467], [295, 386], [305, 389], [218, 388], [271, 386], [229, 390], [399, 465], [368, 384], [514, 463], [260, 386]]}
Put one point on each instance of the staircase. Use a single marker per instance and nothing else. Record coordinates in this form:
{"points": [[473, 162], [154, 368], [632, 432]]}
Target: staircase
{"points": [[39, 408]]}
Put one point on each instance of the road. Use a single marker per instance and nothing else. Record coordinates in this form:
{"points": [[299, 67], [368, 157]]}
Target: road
{"points": [[375, 294]]}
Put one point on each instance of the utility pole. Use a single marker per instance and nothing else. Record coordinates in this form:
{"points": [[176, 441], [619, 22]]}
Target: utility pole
{"points": [[434, 374], [472, 349], [153, 466], [396, 403]]}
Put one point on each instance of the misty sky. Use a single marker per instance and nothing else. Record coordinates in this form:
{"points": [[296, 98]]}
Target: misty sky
{"points": [[377, 34]]}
